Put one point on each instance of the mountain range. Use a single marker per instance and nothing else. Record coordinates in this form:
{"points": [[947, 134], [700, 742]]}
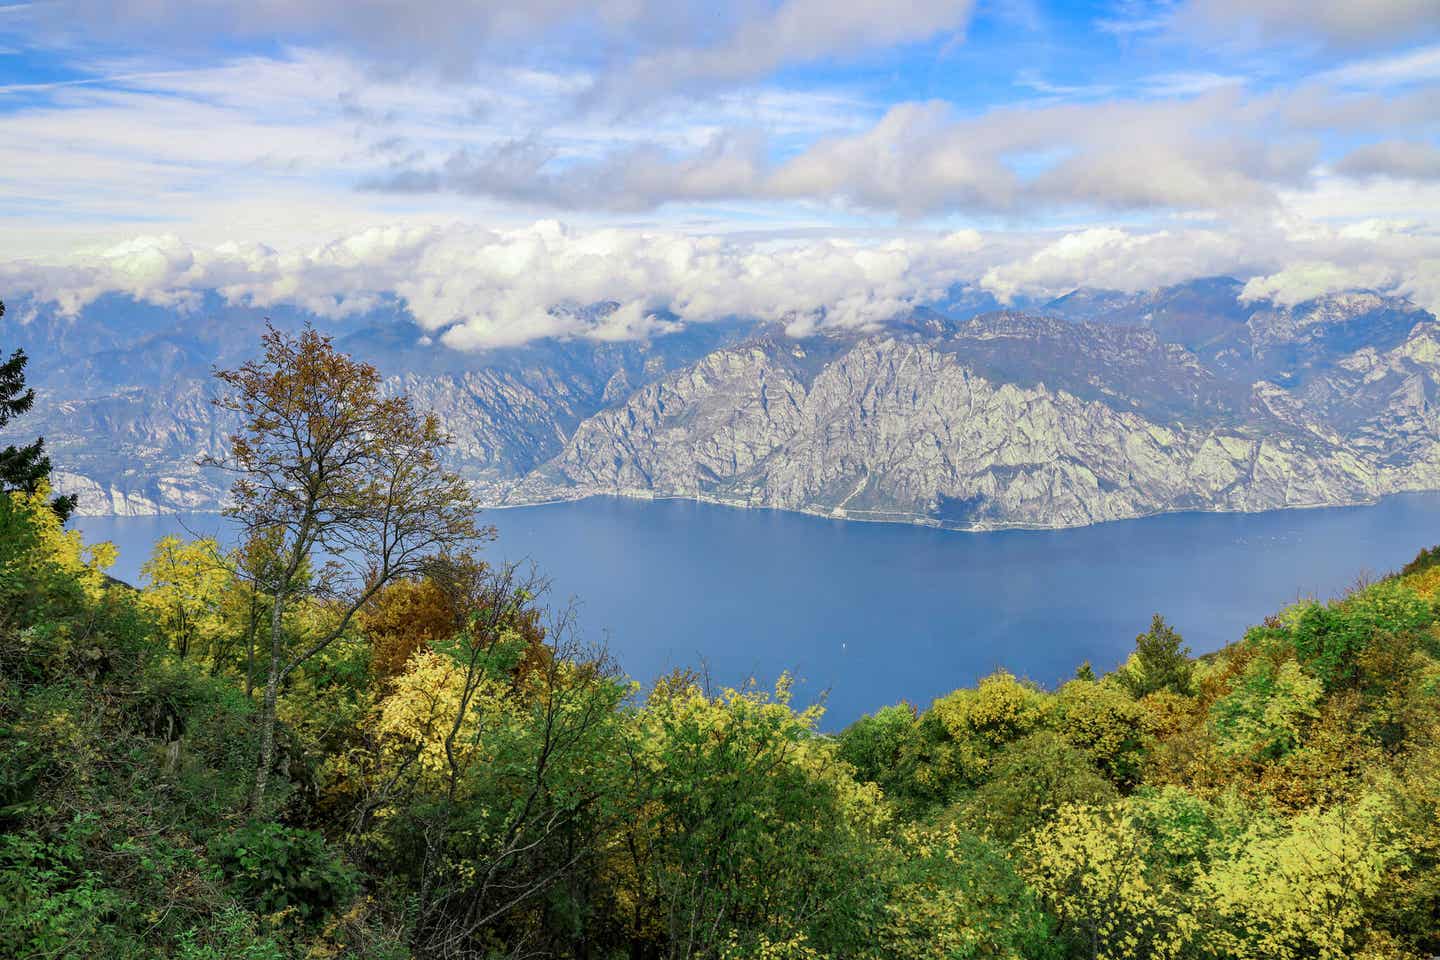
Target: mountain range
{"points": [[1098, 405]]}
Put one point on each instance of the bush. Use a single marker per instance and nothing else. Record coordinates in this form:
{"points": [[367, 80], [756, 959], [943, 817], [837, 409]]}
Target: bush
{"points": [[51, 903], [875, 746], [231, 934], [1030, 781], [278, 868], [1329, 639]]}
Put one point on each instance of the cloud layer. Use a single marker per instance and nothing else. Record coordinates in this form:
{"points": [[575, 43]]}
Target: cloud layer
{"points": [[481, 288]]}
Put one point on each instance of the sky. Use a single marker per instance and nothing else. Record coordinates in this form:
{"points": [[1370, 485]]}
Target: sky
{"points": [[809, 161]]}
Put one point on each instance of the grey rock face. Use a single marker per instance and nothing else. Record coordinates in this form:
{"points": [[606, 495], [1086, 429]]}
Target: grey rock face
{"points": [[897, 430], [1115, 406]]}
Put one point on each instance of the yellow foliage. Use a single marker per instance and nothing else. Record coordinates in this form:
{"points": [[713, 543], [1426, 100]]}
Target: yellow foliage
{"points": [[420, 713], [794, 947], [939, 915], [977, 723], [1268, 710], [1298, 889], [65, 549], [1105, 722], [187, 581], [1090, 866], [1426, 583]]}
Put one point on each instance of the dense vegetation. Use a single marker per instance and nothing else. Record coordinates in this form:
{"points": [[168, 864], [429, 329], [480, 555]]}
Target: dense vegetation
{"points": [[450, 773]]}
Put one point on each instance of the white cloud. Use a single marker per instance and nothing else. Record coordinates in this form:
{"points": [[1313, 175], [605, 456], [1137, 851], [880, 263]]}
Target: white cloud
{"points": [[1219, 150], [1394, 158], [1392, 70], [1114, 259], [639, 177], [1392, 256], [1286, 260], [474, 287], [1299, 282], [1215, 151], [1188, 83], [1334, 23], [798, 31], [1193, 171], [490, 287], [316, 124]]}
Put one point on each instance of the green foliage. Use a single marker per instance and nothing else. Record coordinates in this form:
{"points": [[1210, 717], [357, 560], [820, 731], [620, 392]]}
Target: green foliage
{"points": [[485, 786], [877, 746], [954, 897], [1100, 719], [1161, 661], [1267, 711], [232, 934], [1095, 871], [23, 469], [278, 869], [959, 735], [1329, 639], [50, 899], [1424, 560], [1030, 781]]}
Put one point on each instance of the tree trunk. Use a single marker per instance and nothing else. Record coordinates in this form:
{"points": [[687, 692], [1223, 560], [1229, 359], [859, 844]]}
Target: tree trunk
{"points": [[267, 707], [250, 647]]}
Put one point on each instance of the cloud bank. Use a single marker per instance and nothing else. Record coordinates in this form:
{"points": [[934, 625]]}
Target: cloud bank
{"points": [[478, 288]]}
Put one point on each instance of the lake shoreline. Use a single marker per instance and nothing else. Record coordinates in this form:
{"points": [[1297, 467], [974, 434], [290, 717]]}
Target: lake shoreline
{"points": [[898, 520]]}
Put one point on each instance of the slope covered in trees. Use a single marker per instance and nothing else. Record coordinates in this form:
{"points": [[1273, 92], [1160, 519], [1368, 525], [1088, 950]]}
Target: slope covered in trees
{"points": [[452, 773]]}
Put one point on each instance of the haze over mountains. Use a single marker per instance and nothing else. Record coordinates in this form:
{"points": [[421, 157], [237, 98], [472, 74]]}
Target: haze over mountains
{"points": [[1095, 406]]}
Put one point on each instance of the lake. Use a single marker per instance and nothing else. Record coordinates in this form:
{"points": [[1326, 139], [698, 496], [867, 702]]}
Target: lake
{"points": [[870, 614]]}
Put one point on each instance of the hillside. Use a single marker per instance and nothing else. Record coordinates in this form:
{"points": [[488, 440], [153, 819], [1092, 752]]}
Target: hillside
{"points": [[462, 777]]}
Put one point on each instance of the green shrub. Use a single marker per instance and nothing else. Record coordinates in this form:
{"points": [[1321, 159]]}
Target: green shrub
{"points": [[875, 746], [51, 903], [1031, 780], [231, 934], [1329, 639], [278, 868]]}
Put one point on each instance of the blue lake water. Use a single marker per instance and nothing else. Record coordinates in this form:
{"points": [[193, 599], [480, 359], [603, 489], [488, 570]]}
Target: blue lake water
{"points": [[870, 614]]}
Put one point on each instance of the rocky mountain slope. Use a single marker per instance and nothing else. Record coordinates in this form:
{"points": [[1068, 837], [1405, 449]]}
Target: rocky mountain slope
{"points": [[1013, 421], [1097, 406]]}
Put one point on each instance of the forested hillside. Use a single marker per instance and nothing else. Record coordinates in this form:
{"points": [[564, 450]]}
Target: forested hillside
{"points": [[250, 756], [458, 778]]}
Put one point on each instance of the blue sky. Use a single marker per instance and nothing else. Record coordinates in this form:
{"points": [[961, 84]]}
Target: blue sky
{"points": [[791, 158]]}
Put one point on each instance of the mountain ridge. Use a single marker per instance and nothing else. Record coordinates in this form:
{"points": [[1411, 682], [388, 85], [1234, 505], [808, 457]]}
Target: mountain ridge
{"points": [[1092, 407]]}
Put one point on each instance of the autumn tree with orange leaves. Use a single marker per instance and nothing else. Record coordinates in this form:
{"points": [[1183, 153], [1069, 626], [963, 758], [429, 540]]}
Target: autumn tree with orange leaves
{"points": [[338, 477]]}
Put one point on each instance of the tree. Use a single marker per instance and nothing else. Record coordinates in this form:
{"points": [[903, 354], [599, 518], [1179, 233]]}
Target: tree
{"points": [[329, 468], [1094, 869], [23, 468], [749, 831], [186, 581], [1030, 782], [1300, 890], [490, 772], [1161, 661], [952, 896], [254, 565]]}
